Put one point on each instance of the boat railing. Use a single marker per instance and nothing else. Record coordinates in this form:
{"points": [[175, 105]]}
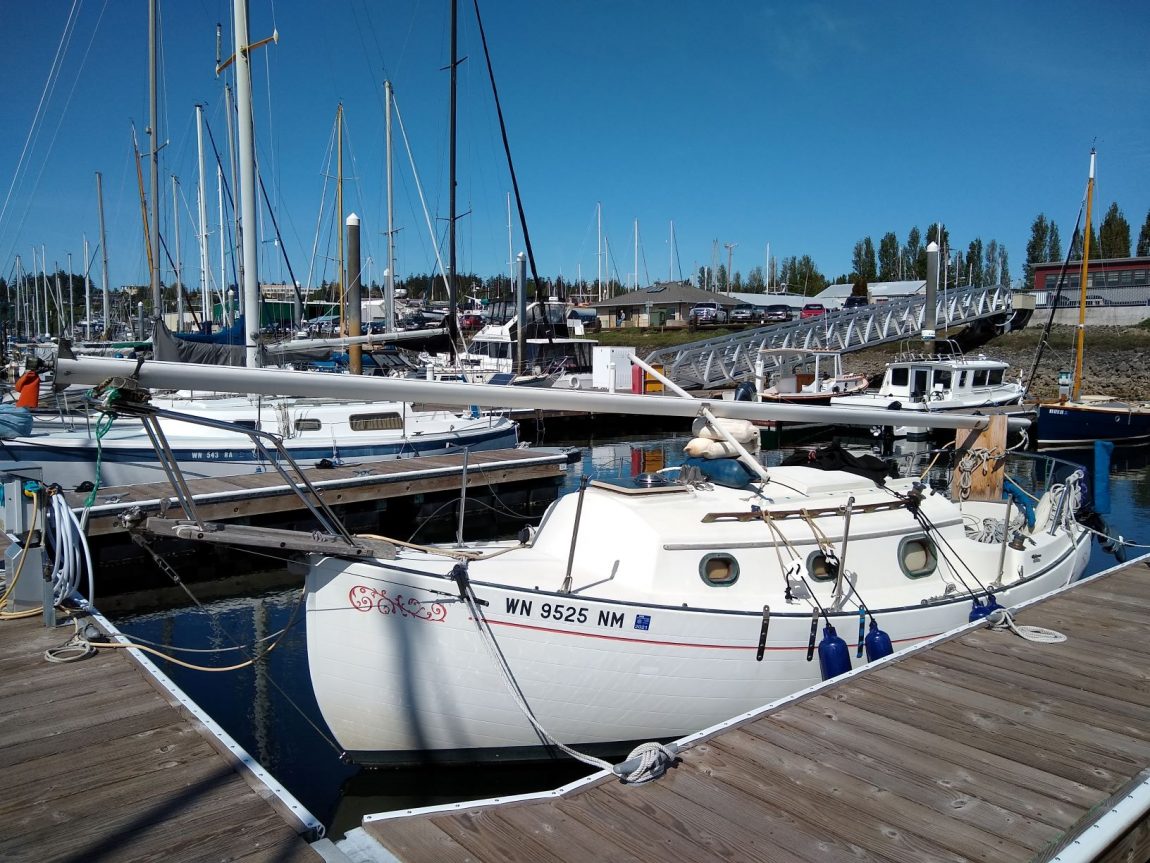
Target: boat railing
{"points": [[952, 353], [1033, 473]]}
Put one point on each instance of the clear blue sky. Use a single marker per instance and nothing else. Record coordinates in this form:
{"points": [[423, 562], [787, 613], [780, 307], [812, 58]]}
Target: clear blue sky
{"points": [[807, 126]]}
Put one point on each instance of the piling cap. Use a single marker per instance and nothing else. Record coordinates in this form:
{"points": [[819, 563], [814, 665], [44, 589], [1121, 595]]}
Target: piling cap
{"points": [[353, 220]]}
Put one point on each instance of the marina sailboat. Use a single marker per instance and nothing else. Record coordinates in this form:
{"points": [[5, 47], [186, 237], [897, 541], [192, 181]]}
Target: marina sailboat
{"points": [[638, 612], [1077, 420]]}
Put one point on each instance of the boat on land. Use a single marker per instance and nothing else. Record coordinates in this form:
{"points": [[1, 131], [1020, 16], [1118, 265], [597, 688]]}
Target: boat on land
{"points": [[806, 376], [646, 611], [1077, 420], [945, 381]]}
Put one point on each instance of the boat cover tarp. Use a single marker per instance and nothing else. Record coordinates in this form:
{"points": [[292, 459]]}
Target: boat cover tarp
{"points": [[14, 422], [834, 457]]}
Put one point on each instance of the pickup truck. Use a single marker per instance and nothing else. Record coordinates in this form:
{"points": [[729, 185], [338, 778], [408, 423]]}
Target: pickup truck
{"points": [[709, 313]]}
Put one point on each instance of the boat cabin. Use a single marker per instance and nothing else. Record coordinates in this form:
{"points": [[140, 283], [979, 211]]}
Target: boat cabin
{"points": [[941, 378]]}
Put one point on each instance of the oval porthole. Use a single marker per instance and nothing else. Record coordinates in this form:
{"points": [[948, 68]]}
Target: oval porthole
{"points": [[718, 569], [918, 556], [818, 568]]}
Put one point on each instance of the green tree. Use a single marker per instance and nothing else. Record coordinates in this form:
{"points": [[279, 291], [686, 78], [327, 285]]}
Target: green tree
{"points": [[888, 252], [755, 281], [974, 261], [1036, 248], [800, 275], [914, 256], [720, 280], [863, 259], [701, 279], [990, 266], [1114, 234], [1144, 238], [1003, 266], [1053, 244]]}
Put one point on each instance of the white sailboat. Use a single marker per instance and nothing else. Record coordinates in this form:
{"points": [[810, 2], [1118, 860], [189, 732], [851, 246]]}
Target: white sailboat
{"points": [[639, 613]]}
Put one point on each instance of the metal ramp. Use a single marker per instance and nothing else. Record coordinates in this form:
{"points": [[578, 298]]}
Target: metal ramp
{"points": [[728, 360]]}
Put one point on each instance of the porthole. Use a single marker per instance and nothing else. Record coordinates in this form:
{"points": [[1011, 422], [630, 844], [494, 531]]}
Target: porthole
{"points": [[819, 569], [918, 556], [302, 425], [718, 569]]}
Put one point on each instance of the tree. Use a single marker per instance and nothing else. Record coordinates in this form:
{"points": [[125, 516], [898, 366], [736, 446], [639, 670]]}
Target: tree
{"points": [[974, 261], [990, 267], [1144, 238], [701, 279], [1036, 248], [801, 275], [1003, 266], [913, 255], [888, 257], [755, 282], [863, 259], [1053, 244], [1114, 234], [720, 281]]}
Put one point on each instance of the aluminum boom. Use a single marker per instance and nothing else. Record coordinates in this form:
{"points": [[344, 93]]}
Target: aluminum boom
{"points": [[164, 375]]}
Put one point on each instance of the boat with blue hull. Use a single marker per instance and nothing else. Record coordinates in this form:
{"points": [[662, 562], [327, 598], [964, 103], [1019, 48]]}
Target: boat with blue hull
{"points": [[1077, 420]]}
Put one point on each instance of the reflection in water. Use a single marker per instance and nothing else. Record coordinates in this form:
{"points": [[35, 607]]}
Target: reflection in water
{"points": [[272, 713]]}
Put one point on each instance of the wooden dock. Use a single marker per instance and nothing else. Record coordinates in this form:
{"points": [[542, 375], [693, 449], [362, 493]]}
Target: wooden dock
{"points": [[977, 746], [99, 762], [257, 494]]}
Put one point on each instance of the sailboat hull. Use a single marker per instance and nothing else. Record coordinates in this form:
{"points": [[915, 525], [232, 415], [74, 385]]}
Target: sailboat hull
{"points": [[1076, 424]]}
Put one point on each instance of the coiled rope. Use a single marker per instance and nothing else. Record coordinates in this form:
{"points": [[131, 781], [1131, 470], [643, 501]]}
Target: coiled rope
{"points": [[1001, 619]]}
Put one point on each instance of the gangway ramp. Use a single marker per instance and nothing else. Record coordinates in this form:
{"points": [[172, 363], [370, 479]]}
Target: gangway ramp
{"points": [[728, 360]]}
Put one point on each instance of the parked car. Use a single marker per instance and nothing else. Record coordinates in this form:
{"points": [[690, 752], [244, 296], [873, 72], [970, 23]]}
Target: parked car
{"points": [[812, 310], [778, 312], [709, 313], [855, 301], [745, 313]]}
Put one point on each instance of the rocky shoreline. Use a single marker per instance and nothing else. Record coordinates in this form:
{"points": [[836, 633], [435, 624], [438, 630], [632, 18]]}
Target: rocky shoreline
{"points": [[1116, 360]]}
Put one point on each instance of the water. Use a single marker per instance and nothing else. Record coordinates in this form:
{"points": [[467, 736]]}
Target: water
{"points": [[270, 710]]}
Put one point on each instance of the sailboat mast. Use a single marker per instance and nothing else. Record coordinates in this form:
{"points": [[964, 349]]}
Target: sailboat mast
{"points": [[157, 306], [178, 267], [341, 294], [247, 158], [599, 255], [389, 301], [1078, 358], [104, 253], [452, 322], [202, 208]]}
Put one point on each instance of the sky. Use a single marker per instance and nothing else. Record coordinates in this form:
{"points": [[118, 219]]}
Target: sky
{"points": [[801, 127]]}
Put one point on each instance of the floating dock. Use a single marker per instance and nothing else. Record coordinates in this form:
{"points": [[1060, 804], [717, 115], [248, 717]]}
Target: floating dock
{"points": [[976, 745], [257, 494], [105, 760]]}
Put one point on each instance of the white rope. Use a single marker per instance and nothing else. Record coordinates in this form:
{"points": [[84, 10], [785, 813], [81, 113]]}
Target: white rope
{"points": [[647, 761], [1001, 619]]}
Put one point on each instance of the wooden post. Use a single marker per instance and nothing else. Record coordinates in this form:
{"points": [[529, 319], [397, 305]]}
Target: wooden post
{"points": [[986, 477]]}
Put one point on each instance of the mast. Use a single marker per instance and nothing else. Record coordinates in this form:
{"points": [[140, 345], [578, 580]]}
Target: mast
{"points": [[177, 265], [87, 293], [202, 207], [341, 293], [636, 254], [225, 310], [247, 158], [599, 255], [389, 288], [1081, 341], [157, 304], [104, 252], [452, 321]]}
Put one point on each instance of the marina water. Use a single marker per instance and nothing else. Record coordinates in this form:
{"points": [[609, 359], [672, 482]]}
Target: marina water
{"points": [[270, 710]]}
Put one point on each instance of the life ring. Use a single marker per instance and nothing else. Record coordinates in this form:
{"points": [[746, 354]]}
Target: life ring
{"points": [[573, 382]]}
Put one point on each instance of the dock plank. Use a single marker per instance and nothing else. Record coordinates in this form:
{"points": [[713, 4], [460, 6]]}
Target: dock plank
{"points": [[982, 747], [97, 765]]}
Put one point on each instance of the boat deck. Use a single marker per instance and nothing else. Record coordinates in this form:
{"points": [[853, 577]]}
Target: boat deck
{"points": [[981, 746], [100, 764]]}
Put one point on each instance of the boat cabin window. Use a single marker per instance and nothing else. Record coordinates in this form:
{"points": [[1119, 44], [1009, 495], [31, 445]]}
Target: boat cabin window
{"points": [[942, 378], [980, 377], [308, 425], [375, 422], [718, 569], [995, 377], [917, 556], [245, 424], [962, 379], [818, 568], [899, 376]]}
